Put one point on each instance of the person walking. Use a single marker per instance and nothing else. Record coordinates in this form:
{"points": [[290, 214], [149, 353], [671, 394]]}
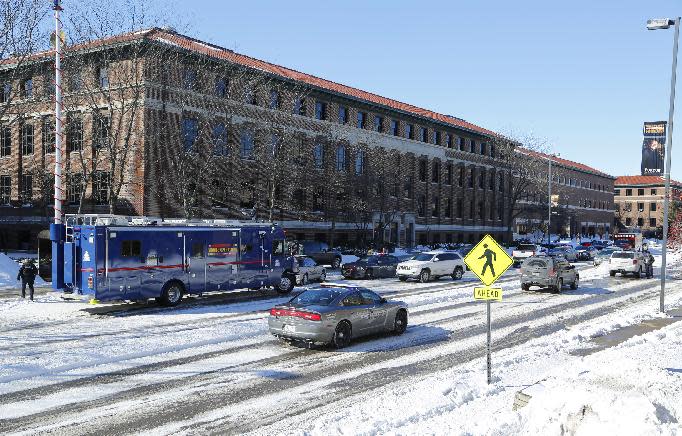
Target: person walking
{"points": [[648, 263], [489, 256], [27, 274]]}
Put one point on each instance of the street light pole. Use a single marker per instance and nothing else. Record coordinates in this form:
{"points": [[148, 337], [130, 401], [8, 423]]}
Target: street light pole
{"points": [[654, 25], [549, 203]]}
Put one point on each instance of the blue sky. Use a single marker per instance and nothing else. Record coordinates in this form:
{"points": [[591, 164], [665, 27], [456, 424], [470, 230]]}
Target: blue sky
{"points": [[582, 74]]}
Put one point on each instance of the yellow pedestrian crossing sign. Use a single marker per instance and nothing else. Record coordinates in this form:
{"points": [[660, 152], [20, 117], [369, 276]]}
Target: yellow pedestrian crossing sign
{"points": [[488, 260]]}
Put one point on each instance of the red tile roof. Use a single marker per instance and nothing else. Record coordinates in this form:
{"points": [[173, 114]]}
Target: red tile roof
{"points": [[566, 162], [644, 180]]}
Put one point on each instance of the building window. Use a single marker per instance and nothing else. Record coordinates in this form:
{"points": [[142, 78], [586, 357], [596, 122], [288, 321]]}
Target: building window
{"points": [[628, 192], [628, 221], [394, 127], [448, 176], [435, 206], [481, 210], [48, 83], [491, 181], [409, 131], [190, 132], [48, 134], [246, 144], [6, 93], [472, 209], [26, 139], [321, 110], [5, 190], [640, 207], [75, 81], [220, 140], [471, 178], [100, 187], [343, 115], [103, 77], [274, 99], [653, 191], [481, 180], [460, 208], [422, 170], [460, 176], [448, 140], [359, 162], [101, 131], [484, 149], [616, 192], [640, 222], [189, 78], [26, 192], [318, 155], [408, 187], [421, 205], [362, 120], [435, 172], [299, 106], [340, 158], [318, 199], [652, 222], [460, 143], [27, 88], [378, 124], [74, 188], [424, 134], [221, 87], [74, 134], [5, 141], [448, 208], [250, 96], [436, 137], [492, 151], [652, 207], [640, 191]]}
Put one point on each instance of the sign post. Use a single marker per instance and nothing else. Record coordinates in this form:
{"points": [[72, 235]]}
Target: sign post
{"points": [[488, 260]]}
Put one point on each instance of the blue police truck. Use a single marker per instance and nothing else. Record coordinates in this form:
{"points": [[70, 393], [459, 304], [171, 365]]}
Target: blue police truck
{"points": [[123, 258]]}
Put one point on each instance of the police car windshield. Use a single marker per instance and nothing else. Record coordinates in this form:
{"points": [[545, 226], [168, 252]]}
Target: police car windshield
{"points": [[423, 257], [318, 297]]}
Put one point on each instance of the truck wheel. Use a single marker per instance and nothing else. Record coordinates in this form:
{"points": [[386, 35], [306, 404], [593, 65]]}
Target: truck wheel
{"points": [[285, 285], [336, 263], [457, 273], [171, 294], [612, 273], [525, 287], [425, 276], [402, 278]]}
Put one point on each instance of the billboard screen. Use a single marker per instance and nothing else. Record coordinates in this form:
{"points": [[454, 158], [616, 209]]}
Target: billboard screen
{"points": [[653, 148]]}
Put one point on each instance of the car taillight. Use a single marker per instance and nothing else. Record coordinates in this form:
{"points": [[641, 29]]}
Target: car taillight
{"points": [[533, 253], [310, 316]]}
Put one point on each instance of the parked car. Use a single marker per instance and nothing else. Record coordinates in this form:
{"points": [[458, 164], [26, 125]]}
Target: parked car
{"points": [[548, 272], [432, 264], [626, 262], [336, 315], [309, 270], [319, 251], [604, 255], [371, 267], [585, 252], [565, 251], [524, 251], [599, 244]]}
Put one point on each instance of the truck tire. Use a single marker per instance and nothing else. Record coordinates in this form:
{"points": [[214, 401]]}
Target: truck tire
{"points": [[612, 273], [402, 278], [457, 273], [171, 294], [286, 284], [574, 285]]}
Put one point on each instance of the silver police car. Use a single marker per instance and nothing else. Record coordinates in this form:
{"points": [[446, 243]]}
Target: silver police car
{"points": [[335, 314]]}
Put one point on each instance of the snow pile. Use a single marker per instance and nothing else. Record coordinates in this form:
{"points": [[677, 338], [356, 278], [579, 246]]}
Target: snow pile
{"points": [[8, 273]]}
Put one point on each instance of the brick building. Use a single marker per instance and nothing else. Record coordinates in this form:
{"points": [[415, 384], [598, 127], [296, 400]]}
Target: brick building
{"points": [[161, 124], [639, 202]]}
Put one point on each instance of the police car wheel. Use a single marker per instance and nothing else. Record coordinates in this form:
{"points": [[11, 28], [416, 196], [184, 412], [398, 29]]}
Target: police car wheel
{"points": [[400, 323], [425, 276], [458, 273], [172, 294]]}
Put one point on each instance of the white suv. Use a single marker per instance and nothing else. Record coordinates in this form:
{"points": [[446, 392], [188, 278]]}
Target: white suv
{"points": [[627, 262], [432, 264]]}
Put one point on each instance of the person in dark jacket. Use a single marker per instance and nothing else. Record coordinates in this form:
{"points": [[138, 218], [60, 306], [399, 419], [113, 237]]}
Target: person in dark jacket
{"points": [[27, 275]]}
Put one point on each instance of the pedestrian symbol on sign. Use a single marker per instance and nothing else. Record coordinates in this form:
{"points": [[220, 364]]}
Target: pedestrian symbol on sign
{"points": [[488, 260], [489, 257]]}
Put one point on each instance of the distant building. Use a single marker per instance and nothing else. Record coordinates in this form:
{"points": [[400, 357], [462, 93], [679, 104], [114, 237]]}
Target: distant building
{"points": [[639, 202]]}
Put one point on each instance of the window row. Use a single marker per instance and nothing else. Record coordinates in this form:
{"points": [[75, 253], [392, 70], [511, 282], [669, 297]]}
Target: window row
{"points": [[641, 207], [455, 209], [640, 222], [75, 188], [640, 192], [576, 183]]}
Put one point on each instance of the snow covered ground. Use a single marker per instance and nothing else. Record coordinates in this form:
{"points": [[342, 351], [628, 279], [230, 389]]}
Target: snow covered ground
{"points": [[215, 369]]}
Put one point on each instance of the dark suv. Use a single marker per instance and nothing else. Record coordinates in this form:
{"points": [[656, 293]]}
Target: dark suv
{"points": [[319, 251]]}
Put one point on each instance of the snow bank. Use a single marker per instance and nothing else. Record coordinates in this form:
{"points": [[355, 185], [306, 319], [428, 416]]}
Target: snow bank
{"points": [[8, 273]]}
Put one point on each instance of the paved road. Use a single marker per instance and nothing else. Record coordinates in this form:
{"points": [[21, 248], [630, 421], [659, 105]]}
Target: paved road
{"points": [[224, 374]]}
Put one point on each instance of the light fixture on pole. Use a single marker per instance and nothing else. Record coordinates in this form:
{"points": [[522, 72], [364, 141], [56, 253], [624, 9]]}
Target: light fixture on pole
{"points": [[655, 24]]}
